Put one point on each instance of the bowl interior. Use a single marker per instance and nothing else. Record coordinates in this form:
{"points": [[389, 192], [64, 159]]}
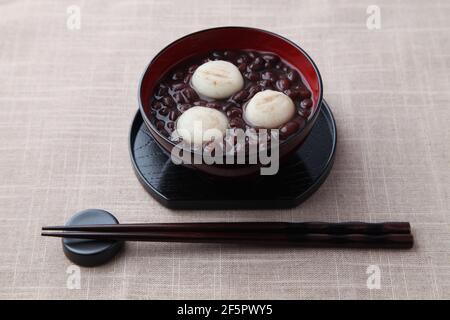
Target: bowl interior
{"points": [[231, 38]]}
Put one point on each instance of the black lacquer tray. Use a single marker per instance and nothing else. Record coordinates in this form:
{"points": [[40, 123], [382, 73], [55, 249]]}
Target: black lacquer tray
{"points": [[177, 187]]}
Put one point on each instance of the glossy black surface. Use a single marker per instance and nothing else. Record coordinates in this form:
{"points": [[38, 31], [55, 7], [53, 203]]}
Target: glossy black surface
{"points": [[178, 187], [90, 253]]}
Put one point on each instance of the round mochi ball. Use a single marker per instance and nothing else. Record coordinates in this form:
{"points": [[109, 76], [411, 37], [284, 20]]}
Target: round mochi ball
{"points": [[217, 79], [201, 124], [269, 109]]}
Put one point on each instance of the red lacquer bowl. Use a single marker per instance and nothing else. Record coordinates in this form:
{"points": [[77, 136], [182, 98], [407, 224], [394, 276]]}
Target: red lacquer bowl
{"points": [[230, 38]]}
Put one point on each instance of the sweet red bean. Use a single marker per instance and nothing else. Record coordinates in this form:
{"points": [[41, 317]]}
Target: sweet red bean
{"points": [[157, 106], [217, 55], [173, 115], [164, 111], [160, 125], [291, 93], [259, 60], [304, 93], [183, 107], [240, 96], [187, 79], [242, 67], [214, 105], [252, 76], [257, 64], [229, 105], [178, 86], [189, 94], [293, 75], [243, 59], [229, 55], [234, 112], [288, 129], [168, 101], [170, 126], [192, 68], [237, 123], [306, 103], [269, 75], [304, 113], [254, 90], [283, 84], [266, 84], [162, 90], [179, 97], [270, 59], [200, 103], [178, 75]]}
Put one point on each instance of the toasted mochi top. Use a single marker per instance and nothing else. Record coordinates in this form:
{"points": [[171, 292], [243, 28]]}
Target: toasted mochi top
{"points": [[269, 109], [201, 124], [217, 79]]}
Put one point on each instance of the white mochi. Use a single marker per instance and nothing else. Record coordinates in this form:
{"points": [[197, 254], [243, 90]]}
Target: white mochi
{"points": [[269, 109], [217, 79], [201, 124]]}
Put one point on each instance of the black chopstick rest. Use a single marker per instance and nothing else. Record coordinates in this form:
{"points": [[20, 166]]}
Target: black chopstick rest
{"points": [[91, 253]]}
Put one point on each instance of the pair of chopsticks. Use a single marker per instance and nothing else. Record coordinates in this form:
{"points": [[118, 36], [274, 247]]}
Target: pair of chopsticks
{"points": [[394, 235]]}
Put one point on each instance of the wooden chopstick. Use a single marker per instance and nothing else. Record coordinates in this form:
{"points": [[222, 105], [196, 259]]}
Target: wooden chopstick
{"points": [[298, 228], [392, 241]]}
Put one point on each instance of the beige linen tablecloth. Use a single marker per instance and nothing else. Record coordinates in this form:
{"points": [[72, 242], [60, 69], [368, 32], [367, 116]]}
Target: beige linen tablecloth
{"points": [[68, 96]]}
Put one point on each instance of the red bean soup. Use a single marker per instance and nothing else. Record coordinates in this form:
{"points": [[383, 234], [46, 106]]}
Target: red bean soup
{"points": [[174, 94]]}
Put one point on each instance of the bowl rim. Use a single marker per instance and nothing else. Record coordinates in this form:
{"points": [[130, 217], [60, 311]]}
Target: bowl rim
{"points": [[161, 52]]}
